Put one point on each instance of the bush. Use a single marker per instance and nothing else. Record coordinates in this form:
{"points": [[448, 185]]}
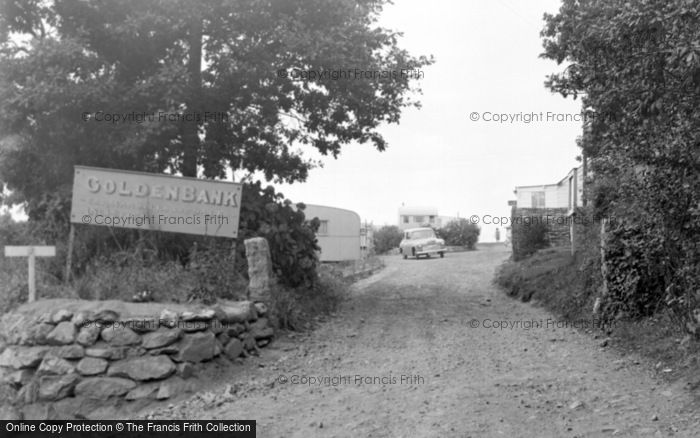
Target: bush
{"points": [[11, 232], [528, 238], [460, 232], [122, 275], [647, 173], [292, 239], [634, 272], [387, 238], [114, 263], [296, 308]]}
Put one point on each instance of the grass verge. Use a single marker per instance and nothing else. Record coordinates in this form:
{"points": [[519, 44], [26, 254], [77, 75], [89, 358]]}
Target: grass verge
{"points": [[567, 285]]}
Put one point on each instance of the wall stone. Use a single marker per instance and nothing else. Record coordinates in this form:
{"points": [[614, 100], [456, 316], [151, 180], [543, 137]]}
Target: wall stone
{"points": [[556, 221], [260, 272], [105, 351]]}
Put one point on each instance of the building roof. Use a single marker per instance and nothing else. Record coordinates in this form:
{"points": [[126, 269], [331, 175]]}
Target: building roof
{"points": [[543, 186]]}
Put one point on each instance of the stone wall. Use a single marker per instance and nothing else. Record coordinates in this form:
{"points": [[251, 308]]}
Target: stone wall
{"points": [[556, 222], [77, 354]]}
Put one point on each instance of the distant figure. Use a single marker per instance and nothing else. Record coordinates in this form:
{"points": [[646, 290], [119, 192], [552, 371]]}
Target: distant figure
{"points": [[498, 235]]}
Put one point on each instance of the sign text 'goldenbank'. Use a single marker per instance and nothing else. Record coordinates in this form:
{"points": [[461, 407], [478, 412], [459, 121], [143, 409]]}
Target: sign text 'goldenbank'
{"points": [[148, 201]]}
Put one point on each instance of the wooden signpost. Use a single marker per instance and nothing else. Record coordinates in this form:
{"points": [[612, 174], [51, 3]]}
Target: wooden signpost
{"points": [[31, 252]]}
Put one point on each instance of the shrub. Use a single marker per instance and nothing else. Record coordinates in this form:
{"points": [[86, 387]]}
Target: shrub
{"points": [[11, 232], [115, 263], [647, 172], [634, 272], [296, 308], [216, 272], [121, 275], [387, 238], [528, 237], [292, 239], [460, 232]]}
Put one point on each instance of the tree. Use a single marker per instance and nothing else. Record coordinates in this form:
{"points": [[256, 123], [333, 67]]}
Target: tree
{"points": [[85, 60], [636, 65], [387, 238], [460, 232]]}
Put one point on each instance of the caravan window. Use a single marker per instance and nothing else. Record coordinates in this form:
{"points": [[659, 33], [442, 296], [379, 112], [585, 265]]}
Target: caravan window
{"points": [[323, 228]]}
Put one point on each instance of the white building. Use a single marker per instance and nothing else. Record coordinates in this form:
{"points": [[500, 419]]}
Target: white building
{"points": [[567, 193], [414, 217]]}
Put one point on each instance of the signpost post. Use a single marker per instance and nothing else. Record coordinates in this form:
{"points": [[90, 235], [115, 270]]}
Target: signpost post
{"points": [[31, 252]]}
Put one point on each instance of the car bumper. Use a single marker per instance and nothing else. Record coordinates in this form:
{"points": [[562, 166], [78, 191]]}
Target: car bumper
{"points": [[431, 250]]}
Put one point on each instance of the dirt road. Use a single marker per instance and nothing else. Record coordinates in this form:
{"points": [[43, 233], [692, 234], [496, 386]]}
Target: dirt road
{"points": [[418, 352]]}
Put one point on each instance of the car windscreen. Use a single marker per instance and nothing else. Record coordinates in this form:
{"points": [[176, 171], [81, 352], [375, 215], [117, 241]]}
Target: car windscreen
{"points": [[422, 234]]}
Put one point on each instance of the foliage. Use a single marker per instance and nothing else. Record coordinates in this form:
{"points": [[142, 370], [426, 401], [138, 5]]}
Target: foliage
{"points": [[123, 274], [63, 61], [387, 238], [298, 308], [292, 239], [460, 232], [118, 263], [11, 232], [529, 237], [563, 283], [217, 271], [634, 273], [636, 66], [64, 64], [13, 283]]}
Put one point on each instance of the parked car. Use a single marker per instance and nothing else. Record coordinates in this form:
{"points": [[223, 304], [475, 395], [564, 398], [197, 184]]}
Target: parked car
{"points": [[421, 241]]}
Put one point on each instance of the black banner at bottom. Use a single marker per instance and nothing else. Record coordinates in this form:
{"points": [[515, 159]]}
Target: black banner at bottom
{"points": [[129, 428]]}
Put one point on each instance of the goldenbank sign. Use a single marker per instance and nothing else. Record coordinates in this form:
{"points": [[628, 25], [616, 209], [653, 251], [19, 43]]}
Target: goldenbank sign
{"points": [[149, 201]]}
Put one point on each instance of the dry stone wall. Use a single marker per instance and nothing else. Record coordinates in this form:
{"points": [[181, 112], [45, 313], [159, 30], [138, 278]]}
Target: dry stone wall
{"points": [[78, 353], [556, 222]]}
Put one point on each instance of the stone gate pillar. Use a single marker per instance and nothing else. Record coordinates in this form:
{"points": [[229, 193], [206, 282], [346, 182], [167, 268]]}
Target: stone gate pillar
{"points": [[262, 278]]}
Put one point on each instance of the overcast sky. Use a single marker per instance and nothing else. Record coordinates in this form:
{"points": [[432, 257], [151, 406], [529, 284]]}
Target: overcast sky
{"points": [[487, 60]]}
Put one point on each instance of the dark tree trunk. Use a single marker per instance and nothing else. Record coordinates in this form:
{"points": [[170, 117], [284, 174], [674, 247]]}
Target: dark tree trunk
{"points": [[190, 134]]}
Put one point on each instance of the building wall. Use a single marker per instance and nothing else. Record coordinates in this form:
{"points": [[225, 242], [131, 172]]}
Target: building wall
{"points": [[339, 234], [557, 195], [571, 190], [551, 195], [414, 217]]}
